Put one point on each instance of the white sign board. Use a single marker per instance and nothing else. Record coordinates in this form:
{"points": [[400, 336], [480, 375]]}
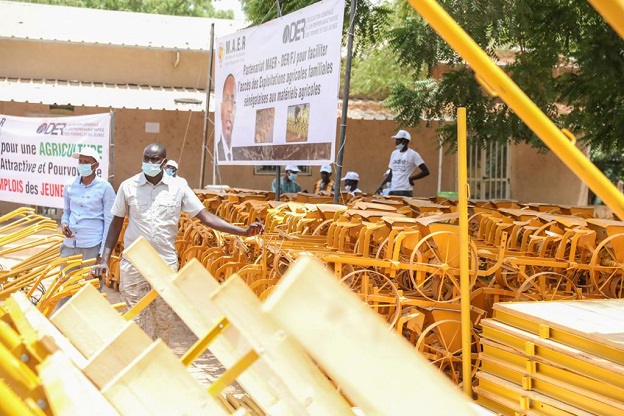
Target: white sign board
{"points": [[35, 155], [276, 89]]}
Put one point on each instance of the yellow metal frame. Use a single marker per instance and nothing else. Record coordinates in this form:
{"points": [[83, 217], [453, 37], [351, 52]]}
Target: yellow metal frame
{"points": [[613, 12], [500, 83]]}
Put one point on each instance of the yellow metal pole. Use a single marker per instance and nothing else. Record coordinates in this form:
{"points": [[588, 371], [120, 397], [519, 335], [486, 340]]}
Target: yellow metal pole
{"points": [[464, 242], [560, 142], [613, 12]]}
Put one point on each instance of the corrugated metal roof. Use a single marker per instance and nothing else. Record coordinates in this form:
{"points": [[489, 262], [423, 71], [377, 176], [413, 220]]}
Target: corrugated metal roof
{"points": [[91, 94], [366, 110], [30, 21]]}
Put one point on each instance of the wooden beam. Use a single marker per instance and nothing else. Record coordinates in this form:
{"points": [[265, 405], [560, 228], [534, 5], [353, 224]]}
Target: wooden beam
{"points": [[156, 383], [288, 360], [117, 354], [88, 320], [68, 391], [379, 370]]}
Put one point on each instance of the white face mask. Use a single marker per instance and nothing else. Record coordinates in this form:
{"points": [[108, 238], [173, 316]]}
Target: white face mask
{"points": [[151, 169], [85, 169], [400, 146], [348, 187], [292, 176]]}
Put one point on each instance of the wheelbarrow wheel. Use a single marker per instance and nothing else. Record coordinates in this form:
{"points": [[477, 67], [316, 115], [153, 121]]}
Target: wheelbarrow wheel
{"points": [[441, 344]]}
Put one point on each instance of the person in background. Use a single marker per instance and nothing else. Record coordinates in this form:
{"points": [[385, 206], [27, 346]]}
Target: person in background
{"points": [[351, 181], [288, 184], [153, 201], [325, 184], [86, 214], [403, 161], [171, 168]]}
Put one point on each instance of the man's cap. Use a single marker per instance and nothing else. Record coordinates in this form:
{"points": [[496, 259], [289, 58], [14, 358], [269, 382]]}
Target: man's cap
{"points": [[402, 134], [351, 176], [87, 151], [172, 163], [293, 168], [326, 168]]}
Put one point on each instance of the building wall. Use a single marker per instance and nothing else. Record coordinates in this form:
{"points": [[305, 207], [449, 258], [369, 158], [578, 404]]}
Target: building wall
{"points": [[535, 177], [542, 177], [109, 64]]}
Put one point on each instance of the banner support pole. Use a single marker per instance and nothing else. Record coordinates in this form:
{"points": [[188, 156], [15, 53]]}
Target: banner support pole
{"points": [[202, 165], [345, 103]]}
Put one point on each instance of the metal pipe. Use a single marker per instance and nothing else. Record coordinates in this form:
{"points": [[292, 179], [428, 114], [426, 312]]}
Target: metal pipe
{"points": [[613, 12], [464, 243], [345, 102], [202, 164], [560, 142]]}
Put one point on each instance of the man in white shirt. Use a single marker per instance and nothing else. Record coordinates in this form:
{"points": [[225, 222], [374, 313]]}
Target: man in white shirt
{"points": [[403, 161], [153, 202]]}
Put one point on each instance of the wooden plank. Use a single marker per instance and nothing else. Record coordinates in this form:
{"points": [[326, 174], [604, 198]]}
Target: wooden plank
{"points": [[117, 354], [88, 320], [46, 331], [497, 385], [187, 294], [550, 371], [288, 360], [156, 383], [378, 369], [69, 392], [589, 322], [558, 389], [554, 353]]}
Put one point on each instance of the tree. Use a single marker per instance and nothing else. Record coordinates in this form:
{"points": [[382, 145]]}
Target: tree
{"points": [[198, 8], [560, 52]]}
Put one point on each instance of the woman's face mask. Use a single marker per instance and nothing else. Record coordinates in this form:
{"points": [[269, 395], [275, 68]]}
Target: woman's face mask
{"points": [[85, 169], [151, 169], [292, 176], [169, 172]]}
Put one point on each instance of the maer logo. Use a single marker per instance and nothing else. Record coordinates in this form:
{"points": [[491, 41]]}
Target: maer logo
{"points": [[294, 31], [55, 129]]}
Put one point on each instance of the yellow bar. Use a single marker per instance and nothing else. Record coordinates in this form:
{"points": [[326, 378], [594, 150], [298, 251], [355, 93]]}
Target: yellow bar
{"points": [[524, 108], [613, 12], [140, 305], [201, 344], [232, 373], [464, 242], [11, 403]]}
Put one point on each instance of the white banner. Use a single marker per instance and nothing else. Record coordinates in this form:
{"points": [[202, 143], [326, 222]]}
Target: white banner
{"points": [[35, 155], [276, 89]]}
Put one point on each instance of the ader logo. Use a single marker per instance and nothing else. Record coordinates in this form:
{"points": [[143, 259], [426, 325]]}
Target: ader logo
{"points": [[294, 31], [235, 45], [55, 129]]}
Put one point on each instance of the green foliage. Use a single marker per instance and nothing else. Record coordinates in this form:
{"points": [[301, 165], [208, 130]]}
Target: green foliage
{"points": [[370, 20], [557, 51], [198, 8]]}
